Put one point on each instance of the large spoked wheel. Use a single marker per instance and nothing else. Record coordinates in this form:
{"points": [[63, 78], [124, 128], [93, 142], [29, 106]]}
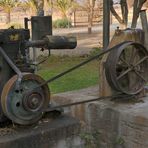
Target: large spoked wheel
{"points": [[25, 106], [127, 68]]}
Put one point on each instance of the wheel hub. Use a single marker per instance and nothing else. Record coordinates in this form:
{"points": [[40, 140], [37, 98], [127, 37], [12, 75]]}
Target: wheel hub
{"points": [[33, 101]]}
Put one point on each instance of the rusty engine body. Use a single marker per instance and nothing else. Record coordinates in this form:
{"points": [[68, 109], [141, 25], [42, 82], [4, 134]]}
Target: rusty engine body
{"points": [[17, 72]]}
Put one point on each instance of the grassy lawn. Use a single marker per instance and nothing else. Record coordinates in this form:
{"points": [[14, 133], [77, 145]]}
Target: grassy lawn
{"points": [[81, 78]]}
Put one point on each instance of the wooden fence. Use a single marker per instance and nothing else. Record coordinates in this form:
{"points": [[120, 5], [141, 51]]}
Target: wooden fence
{"points": [[80, 17]]}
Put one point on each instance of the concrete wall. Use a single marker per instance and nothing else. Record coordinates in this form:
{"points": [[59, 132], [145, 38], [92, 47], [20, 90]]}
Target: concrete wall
{"points": [[120, 125], [62, 132], [109, 124]]}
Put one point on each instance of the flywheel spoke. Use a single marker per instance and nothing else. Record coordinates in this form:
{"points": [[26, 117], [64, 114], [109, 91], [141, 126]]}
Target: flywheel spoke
{"points": [[133, 55], [124, 61], [124, 73], [139, 75], [141, 61]]}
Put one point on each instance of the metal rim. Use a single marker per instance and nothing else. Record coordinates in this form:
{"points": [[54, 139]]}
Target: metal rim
{"points": [[126, 68], [12, 101]]}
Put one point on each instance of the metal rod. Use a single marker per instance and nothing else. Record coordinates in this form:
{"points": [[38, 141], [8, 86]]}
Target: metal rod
{"points": [[126, 43], [106, 23], [26, 22], [37, 43], [144, 26], [14, 67], [90, 100], [9, 61]]}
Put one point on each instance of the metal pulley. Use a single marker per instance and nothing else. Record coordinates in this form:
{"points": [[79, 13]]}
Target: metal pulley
{"points": [[24, 106], [126, 68]]}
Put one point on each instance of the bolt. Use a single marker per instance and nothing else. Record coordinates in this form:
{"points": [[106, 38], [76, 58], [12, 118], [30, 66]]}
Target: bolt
{"points": [[35, 101]]}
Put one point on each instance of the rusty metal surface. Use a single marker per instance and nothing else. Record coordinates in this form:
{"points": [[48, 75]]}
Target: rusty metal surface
{"points": [[29, 109], [54, 42], [41, 26], [135, 35], [44, 134], [144, 22], [126, 68]]}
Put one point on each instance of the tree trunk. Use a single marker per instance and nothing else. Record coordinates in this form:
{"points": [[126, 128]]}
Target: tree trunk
{"points": [[40, 8], [124, 9], [91, 4], [90, 22], [8, 17], [46, 8], [136, 10]]}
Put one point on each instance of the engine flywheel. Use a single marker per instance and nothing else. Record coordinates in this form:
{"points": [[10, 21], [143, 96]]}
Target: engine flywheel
{"points": [[126, 68], [25, 106]]}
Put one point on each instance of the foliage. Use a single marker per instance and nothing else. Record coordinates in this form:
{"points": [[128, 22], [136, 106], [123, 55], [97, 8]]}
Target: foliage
{"points": [[89, 6], [31, 5], [119, 141], [81, 78], [95, 51], [7, 6], [62, 23], [91, 139], [64, 6], [15, 25]]}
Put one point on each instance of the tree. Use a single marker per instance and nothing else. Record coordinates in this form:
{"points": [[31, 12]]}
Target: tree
{"points": [[32, 5], [8, 6], [123, 20], [136, 10], [137, 6], [89, 6], [36, 6], [64, 6], [40, 7]]}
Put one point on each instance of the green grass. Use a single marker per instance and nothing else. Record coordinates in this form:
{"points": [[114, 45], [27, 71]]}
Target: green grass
{"points": [[81, 78]]}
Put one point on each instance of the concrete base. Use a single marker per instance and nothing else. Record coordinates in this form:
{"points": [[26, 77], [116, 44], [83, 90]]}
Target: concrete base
{"points": [[120, 125], [77, 111], [62, 132], [111, 124]]}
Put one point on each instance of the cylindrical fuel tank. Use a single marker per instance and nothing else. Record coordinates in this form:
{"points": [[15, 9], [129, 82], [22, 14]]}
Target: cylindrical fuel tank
{"points": [[41, 26]]}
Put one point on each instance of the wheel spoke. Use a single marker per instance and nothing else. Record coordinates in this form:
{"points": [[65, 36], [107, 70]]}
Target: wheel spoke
{"points": [[124, 61], [124, 73], [142, 60], [138, 74], [132, 57]]}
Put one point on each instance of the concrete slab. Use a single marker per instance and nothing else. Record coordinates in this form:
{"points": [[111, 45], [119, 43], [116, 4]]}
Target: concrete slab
{"points": [[121, 124], [118, 124], [78, 111], [61, 132]]}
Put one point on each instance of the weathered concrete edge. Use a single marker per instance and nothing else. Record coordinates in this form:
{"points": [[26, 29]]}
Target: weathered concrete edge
{"points": [[62, 132]]}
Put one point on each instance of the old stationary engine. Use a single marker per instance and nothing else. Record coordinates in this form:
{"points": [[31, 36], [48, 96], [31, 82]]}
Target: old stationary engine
{"points": [[20, 102]]}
